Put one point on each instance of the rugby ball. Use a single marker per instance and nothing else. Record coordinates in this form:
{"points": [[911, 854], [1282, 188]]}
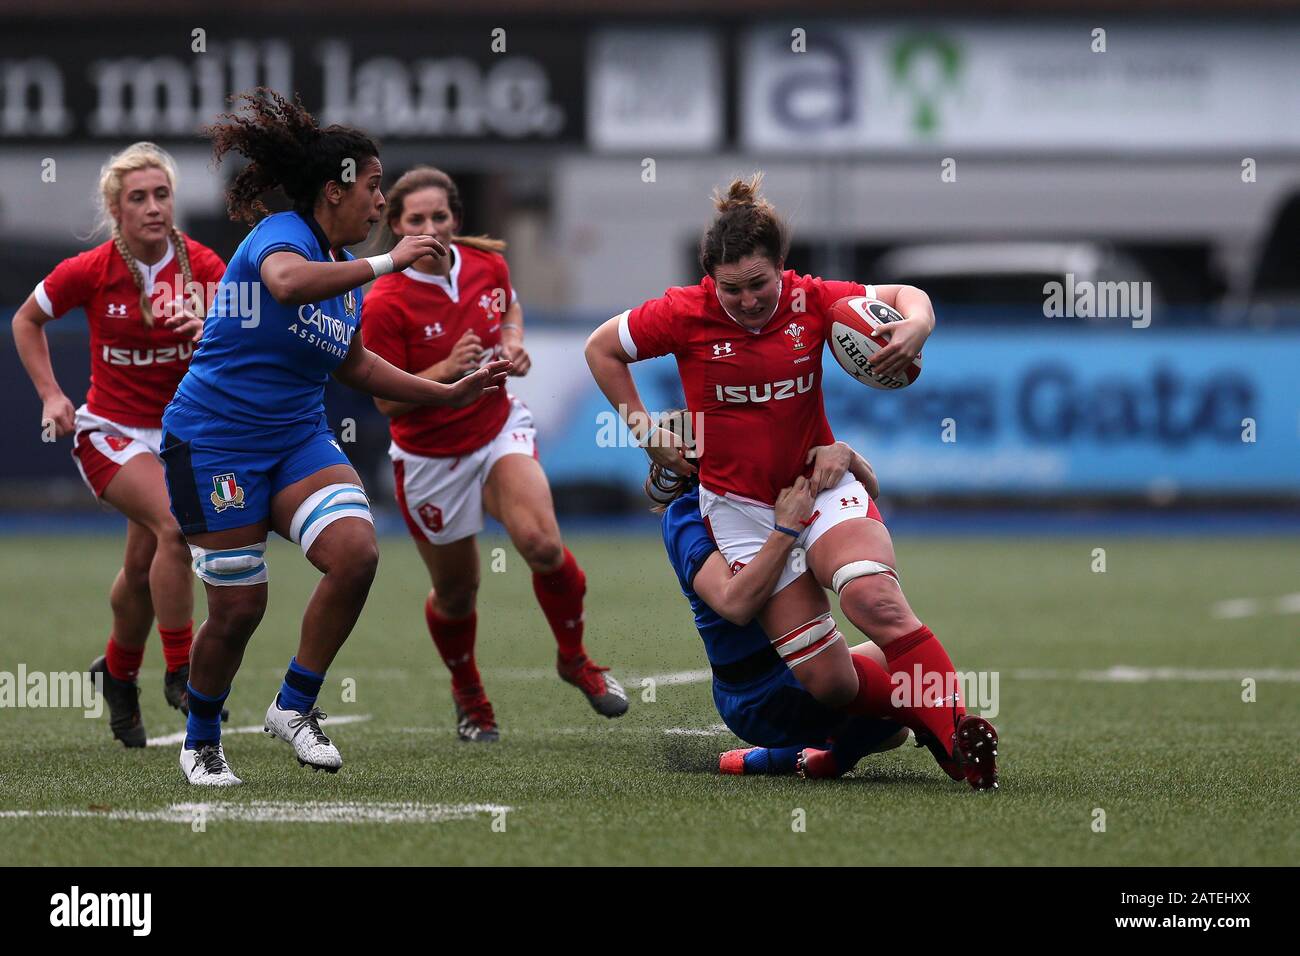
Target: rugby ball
{"points": [[854, 338]]}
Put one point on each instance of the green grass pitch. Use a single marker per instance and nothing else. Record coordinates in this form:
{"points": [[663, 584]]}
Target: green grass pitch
{"points": [[1185, 771]]}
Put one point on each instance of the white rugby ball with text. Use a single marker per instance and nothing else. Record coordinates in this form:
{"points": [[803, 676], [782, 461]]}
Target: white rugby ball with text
{"points": [[854, 338]]}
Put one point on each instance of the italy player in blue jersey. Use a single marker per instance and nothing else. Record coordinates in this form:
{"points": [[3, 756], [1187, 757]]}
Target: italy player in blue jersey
{"points": [[754, 686], [246, 446]]}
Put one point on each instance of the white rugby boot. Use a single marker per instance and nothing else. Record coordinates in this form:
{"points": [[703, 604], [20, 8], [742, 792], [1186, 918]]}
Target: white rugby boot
{"points": [[310, 744], [206, 767]]}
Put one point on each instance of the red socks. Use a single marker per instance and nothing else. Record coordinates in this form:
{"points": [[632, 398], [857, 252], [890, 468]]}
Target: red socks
{"points": [[455, 642], [176, 645], [925, 709], [123, 663], [560, 594], [874, 689], [931, 680]]}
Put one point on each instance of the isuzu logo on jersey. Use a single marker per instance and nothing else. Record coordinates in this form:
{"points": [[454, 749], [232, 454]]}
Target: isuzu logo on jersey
{"points": [[767, 392], [116, 311], [796, 331], [722, 350], [142, 357]]}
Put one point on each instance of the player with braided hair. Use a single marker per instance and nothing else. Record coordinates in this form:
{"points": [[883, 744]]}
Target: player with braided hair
{"points": [[144, 295]]}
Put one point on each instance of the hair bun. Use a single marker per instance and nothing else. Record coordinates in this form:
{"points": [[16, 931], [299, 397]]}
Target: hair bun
{"points": [[741, 193]]}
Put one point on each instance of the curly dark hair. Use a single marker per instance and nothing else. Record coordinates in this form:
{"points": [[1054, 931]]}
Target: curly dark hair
{"points": [[285, 149]]}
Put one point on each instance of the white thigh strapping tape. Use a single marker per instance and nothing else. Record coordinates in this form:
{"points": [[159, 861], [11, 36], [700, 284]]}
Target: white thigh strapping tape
{"points": [[322, 508], [807, 640]]}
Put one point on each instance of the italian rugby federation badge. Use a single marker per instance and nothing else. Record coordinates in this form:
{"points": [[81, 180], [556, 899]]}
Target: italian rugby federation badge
{"points": [[226, 493]]}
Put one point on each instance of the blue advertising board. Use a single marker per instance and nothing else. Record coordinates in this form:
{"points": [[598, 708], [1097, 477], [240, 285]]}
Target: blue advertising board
{"points": [[1052, 411]]}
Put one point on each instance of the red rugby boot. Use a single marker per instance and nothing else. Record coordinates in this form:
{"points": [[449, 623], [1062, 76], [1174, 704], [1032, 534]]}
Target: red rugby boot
{"points": [[975, 744], [605, 694], [813, 764]]}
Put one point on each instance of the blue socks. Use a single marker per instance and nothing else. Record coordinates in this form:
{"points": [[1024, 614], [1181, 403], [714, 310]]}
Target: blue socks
{"points": [[771, 760], [300, 689], [203, 725], [854, 739]]}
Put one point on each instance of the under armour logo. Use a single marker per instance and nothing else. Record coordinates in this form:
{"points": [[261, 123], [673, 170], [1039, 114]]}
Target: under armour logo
{"points": [[433, 330], [850, 502], [519, 436], [118, 311], [721, 348]]}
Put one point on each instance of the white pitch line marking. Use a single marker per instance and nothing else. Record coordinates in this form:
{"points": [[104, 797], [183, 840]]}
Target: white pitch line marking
{"points": [[710, 731], [168, 739], [1122, 674], [1234, 608], [675, 678], [272, 811]]}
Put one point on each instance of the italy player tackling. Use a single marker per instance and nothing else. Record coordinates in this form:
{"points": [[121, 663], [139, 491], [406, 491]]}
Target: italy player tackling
{"points": [[246, 443], [748, 340]]}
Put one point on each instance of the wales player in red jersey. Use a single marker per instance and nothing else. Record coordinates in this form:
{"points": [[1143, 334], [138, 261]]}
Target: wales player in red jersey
{"points": [[442, 318], [144, 293], [748, 339]]}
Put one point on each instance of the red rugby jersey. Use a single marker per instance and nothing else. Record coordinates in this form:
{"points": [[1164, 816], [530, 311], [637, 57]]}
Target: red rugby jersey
{"points": [[756, 397], [134, 369], [413, 320]]}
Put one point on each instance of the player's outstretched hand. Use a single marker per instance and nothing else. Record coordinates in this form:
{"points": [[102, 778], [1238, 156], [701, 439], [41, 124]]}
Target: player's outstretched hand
{"points": [[905, 341], [60, 412], [829, 462], [794, 505], [475, 385], [665, 449], [410, 248]]}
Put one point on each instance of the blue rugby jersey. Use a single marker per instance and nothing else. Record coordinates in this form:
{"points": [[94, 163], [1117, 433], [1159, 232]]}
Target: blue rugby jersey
{"points": [[689, 544], [261, 363]]}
